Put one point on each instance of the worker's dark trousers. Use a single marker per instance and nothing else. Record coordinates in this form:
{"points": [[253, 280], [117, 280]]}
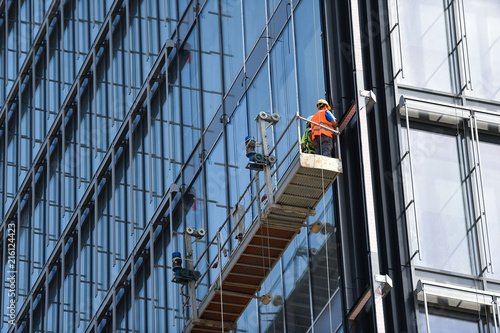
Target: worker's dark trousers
{"points": [[323, 145]]}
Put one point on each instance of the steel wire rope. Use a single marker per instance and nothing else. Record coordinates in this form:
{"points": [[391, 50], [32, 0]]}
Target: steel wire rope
{"points": [[275, 68], [471, 257], [237, 179], [220, 281], [322, 180]]}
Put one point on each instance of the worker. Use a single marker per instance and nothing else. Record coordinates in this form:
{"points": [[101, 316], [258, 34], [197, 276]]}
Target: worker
{"points": [[307, 143], [322, 138]]}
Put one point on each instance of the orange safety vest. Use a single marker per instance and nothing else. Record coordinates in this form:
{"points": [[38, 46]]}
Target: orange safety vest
{"points": [[320, 118]]}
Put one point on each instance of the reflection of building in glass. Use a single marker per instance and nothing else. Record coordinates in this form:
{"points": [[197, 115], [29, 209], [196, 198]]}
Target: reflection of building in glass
{"points": [[122, 135]]}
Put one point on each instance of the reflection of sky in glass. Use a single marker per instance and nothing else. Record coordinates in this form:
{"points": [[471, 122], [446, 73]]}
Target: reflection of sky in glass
{"points": [[491, 182], [443, 324], [483, 40], [424, 38], [439, 197]]}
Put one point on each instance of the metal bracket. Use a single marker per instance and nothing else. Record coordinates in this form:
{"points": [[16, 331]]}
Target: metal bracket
{"points": [[371, 99], [170, 44], [385, 284]]}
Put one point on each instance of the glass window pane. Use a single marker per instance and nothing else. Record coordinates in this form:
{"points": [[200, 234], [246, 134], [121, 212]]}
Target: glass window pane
{"points": [[191, 113], [296, 285], [210, 61], [427, 56], [232, 40], [440, 193], [482, 19], [309, 56], [454, 323], [490, 150], [284, 95], [323, 254], [258, 98], [254, 13]]}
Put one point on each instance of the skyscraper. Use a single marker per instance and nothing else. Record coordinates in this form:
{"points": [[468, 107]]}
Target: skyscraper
{"points": [[123, 152]]}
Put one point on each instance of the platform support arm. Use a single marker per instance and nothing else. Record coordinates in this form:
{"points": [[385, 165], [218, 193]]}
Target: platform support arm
{"points": [[267, 167], [191, 283]]}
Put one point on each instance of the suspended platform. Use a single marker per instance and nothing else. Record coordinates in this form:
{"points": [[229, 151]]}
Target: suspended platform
{"points": [[296, 196]]}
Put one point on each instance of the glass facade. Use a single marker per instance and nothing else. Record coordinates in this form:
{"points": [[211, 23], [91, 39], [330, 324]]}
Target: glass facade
{"points": [[123, 122], [448, 138], [110, 106]]}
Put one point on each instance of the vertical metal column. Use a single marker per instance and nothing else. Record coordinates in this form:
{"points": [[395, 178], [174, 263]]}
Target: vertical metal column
{"points": [[18, 228], [113, 200], [147, 30], [33, 193], [31, 314], [94, 86], [498, 310], [6, 28], [426, 311], [79, 267], [127, 14], [46, 310], [3, 270], [78, 116], [19, 117], [150, 155], [5, 154], [167, 108], [47, 61], [18, 29], [63, 163], [374, 269], [132, 286], [77, 41], [131, 166], [33, 100], [63, 267], [172, 254], [62, 43], [111, 75], [93, 14], [96, 234], [494, 315], [114, 311], [47, 169], [152, 269]]}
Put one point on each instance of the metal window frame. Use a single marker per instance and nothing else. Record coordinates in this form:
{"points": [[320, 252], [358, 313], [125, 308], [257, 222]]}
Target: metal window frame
{"points": [[106, 157], [72, 94], [449, 114], [462, 295], [480, 192], [124, 129]]}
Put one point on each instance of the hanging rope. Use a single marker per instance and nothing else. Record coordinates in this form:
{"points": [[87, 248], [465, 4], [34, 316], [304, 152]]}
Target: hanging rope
{"points": [[220, 283], [322, 178]]}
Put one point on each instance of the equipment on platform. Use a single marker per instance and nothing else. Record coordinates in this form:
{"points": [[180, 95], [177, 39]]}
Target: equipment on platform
{"points": [[257, 161], [280, 208], [182, 275]]}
